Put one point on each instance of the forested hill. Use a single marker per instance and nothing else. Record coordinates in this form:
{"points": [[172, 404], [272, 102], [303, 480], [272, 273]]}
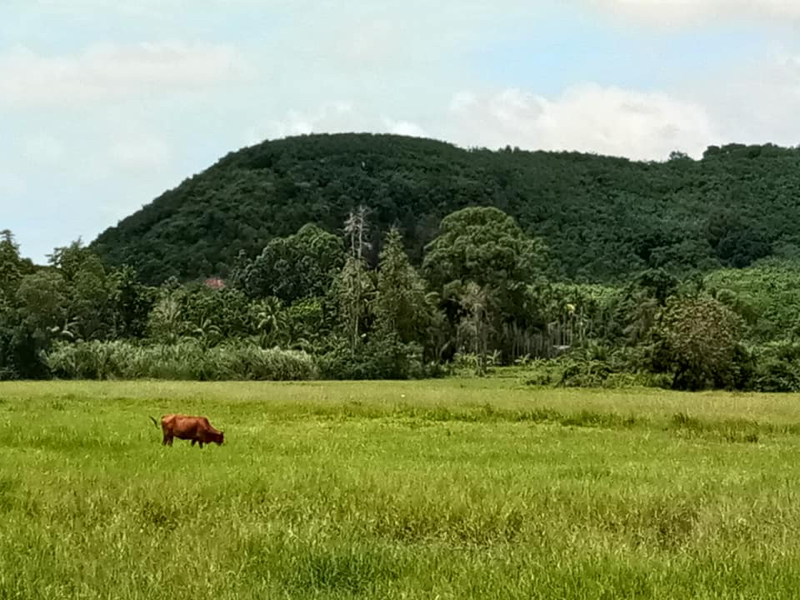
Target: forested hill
{"points": [[602, 218]]}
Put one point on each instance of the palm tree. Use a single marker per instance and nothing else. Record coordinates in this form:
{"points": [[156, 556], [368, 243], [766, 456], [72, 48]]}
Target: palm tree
{"points": [[166, 319], [68, 331], [270, 321], [207, 332]]}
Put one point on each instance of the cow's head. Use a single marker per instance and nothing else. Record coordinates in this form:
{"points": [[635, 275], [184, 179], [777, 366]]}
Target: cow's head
{"points": [[219, 437]]}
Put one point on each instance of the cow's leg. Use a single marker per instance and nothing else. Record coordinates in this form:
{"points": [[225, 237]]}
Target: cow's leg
{"points": [[201, 445], [194, 442]]}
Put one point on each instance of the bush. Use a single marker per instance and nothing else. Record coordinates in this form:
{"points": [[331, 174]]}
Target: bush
{"points": [[595, 366], [777, 368], [591, 373], [186, 360], [775, 375], [385, 357]]}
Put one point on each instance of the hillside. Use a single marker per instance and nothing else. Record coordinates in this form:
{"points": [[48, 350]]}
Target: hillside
{"points": [[603, 218]]}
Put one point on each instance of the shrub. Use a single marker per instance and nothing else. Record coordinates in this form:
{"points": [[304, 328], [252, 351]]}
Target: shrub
{"points": [[583, 368], [777, 368], [384, 357], [591, 373]]}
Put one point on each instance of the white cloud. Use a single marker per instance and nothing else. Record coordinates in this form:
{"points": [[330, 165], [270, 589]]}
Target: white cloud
{"points": [[109, 71], [590, 118], [403, 128], [756, 102], [329, 117], [669, 12], [80, 7]]}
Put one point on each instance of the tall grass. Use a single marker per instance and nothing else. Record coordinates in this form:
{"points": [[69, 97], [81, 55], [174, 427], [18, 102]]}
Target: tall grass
{"points": [[186, 360], [449, 489]]}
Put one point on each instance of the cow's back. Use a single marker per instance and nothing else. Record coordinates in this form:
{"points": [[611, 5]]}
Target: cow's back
{"points": [[183, 425]]}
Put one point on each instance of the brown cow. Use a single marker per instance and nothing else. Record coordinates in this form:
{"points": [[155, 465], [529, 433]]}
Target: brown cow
{"points": [[185, 427]]}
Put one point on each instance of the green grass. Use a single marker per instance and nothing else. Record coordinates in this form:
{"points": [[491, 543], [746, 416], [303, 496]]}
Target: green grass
{"points": [[450, 489]]}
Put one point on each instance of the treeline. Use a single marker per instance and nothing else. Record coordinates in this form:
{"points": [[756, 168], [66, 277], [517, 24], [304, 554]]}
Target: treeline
{"points": [[604, 219], [311, 305]]}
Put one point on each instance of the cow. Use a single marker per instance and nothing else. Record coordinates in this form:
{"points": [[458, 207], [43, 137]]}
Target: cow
{"points": [[185, 427]]}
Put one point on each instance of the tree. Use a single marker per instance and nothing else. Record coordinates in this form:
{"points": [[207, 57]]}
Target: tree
{"points": [[69, 260], [401, 304], [476, 325], [132, 303], [698, 340], [640, 303], [356, 227], [487, 247], [217, 313], [10, 265], [270, 321], [353, 290], [43, 301], [90, 305], [305, 322], [293, 268], [90, 292], [166, 323], [734, 240], [354, 287]]}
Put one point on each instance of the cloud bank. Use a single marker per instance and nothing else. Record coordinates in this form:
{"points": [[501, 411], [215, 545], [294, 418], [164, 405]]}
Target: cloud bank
{"points": [[109, 72], [671, 12]]}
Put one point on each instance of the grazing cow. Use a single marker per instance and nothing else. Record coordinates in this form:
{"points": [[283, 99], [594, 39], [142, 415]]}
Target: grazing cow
{"points": [[184, 427]]}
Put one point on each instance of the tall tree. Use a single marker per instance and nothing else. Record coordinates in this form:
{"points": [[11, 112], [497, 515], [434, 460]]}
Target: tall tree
{"points": [[353, 290], [401, 304], [43, 300], [132, 303], [90, 292], [354, 287], [486, 246], [12, 266], [356, 227], [476, 325]]}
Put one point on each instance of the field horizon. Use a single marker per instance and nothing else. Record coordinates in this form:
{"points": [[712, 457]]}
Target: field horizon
{"points": [[453, 488]]}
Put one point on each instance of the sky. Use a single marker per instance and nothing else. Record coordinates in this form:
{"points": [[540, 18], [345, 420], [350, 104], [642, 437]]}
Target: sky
{"points": [[106, 104]]}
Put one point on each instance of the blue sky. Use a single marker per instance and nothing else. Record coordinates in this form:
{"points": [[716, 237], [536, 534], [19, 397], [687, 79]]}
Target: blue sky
{"points": [[103, 106]]}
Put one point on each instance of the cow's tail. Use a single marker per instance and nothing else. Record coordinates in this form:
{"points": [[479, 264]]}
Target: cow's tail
{"points": [[154, 422]]}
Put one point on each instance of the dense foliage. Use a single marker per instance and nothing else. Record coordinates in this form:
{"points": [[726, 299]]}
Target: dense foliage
{"points": [[602, 218], [390, 257]]}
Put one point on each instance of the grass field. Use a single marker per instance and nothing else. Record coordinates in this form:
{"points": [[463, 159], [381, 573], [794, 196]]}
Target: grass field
{"points": [[442, 489]]}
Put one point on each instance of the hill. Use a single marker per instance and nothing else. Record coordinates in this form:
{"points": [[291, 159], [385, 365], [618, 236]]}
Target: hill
{"points": [[603, 218]]}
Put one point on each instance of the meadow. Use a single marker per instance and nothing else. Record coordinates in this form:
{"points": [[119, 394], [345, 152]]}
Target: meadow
{"points": [[455, 488]]}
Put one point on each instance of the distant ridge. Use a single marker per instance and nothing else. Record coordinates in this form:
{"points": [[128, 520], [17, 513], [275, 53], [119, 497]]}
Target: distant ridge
{"points": [[603, 218]]}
